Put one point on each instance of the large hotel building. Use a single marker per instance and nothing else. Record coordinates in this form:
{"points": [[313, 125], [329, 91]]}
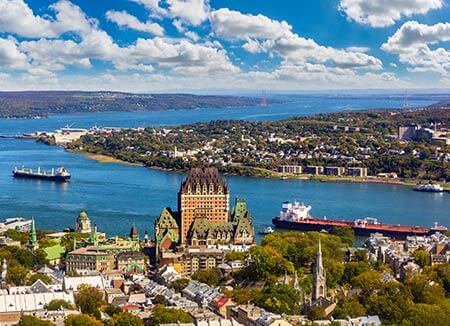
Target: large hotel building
{"points": [[204, 194]]}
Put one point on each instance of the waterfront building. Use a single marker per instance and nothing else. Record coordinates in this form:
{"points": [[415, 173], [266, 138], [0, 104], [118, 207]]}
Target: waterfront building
{"points": [[290, 169], [357, 172], [334, 170], [204, 218], [83, 224], [314, 169]]}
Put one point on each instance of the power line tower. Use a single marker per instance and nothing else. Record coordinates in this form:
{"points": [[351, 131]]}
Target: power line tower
{"points": [[406, 100], [263, 98]]}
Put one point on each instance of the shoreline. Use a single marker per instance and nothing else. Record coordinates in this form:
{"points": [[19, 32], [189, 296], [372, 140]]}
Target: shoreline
{"points": [[103, 158]]}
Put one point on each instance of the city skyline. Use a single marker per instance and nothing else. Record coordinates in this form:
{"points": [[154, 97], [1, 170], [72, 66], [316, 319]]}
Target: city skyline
{"points": [[199, 45]]}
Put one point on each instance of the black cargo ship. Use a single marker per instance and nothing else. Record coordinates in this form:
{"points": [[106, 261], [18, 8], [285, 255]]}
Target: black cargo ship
{"points": [[58, 175]]}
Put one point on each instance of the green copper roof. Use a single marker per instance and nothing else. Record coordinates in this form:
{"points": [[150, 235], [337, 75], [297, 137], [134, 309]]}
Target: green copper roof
{"points": [[54, 252]]}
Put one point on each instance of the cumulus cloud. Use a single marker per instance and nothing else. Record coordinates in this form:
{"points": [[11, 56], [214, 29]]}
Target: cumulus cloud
{"points": [[193, 11], [381, 13], [124, 19], [231, 24], [10, 55], [411, 43], [17, 18]]}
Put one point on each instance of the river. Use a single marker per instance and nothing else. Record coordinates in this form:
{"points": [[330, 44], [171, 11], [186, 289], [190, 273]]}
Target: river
{"points": [[117, 196]]}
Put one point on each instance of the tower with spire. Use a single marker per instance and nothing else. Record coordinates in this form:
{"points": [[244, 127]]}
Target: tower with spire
{"points": [[4, 271], [32, 239], [319, 289]]}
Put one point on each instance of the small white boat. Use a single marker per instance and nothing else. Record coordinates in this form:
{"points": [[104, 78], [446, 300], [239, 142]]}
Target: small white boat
{"points": [[267, 230], [429, 188]]}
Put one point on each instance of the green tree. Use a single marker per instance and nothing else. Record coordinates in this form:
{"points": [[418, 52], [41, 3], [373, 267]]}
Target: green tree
{"points": [[280, 299], [353, 269], [425, 315], [81, 320], [57, 304], [317, 313], [33, 321], [424, 290], [163, 315], [16, 274], [422, 258], [111, 310], [160, 300], [345, 233], [125, 319], [180, 284], [38, 276], [89, 299], [349, 307], [208, 276]]}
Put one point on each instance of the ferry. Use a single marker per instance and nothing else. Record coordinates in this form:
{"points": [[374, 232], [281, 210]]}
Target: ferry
{"points": [[296, 216], [429, 188], [59, 175]]}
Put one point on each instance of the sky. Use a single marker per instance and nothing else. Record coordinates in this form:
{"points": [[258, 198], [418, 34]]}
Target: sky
{"points": [[224, 45]]}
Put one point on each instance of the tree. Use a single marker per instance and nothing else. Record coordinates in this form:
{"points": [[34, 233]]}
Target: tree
{"points": [[345, 233], [163, 315], [349, 307], [245, 296], [317, 313], [425, 315], [208, 276], [180, 284], [16, 274], [89, 299], [353, 269], [57, 304], [38, 276], [33, 321], [125, 319], [280, 299], [111, 310], [424, 290], [160, 300], [81, 320], [422, 258]]}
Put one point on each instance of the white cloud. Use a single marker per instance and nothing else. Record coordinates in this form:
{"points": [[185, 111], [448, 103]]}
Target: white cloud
{"points": [[411, 43], [193, 11], [17, 18], [381, 13], [232, 24], [124, 19], [10, 55], [153, 6]]}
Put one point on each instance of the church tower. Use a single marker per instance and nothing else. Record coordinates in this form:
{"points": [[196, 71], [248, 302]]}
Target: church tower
{"points": [[32, 239], [319, 289]]}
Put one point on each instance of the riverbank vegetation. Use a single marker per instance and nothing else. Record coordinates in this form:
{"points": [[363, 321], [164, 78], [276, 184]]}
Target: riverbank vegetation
{"points": [[42, 103], [348, 139]]}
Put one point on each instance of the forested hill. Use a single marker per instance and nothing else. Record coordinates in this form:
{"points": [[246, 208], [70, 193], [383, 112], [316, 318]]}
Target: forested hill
{"points": [[43, 103]]}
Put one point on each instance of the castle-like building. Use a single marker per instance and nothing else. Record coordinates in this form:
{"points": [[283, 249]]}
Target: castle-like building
{"points": [[203, 218]]}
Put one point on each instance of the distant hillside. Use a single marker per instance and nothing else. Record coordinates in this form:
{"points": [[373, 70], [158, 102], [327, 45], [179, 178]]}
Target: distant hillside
{"points": [[441, 104], [43, 103]]}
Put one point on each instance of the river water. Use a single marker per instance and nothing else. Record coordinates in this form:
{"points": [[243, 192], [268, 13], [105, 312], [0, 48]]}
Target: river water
{"points": [[117, 196]]}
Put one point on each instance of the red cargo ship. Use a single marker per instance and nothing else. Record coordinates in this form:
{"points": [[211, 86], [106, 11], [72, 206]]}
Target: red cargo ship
{"points": [[296, 217]]}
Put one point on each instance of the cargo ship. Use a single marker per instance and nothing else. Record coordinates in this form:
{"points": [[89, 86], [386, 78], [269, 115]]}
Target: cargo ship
{"points": [[58, 175], [295, 216]]}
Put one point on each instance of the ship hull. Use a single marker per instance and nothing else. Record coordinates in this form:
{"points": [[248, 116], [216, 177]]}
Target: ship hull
{"points": [[328, 225], [55, 178]]}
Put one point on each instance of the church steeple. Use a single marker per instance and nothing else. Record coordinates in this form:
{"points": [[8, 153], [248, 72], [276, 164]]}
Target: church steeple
{"points": [[32, 239], [319, 279]]}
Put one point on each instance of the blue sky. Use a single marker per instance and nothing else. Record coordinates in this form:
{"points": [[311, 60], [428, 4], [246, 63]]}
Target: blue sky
{"points": [[224, 45]]}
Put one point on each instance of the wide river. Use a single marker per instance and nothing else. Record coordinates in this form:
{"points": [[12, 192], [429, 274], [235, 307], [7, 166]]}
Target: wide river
{"points": [[117, 196]]}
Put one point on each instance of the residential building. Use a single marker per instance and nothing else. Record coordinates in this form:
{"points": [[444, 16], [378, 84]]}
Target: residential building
{"points": [[407, 132], [357, 172], [334, 170], [290, 169], [314, 169], [250, 315]]}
